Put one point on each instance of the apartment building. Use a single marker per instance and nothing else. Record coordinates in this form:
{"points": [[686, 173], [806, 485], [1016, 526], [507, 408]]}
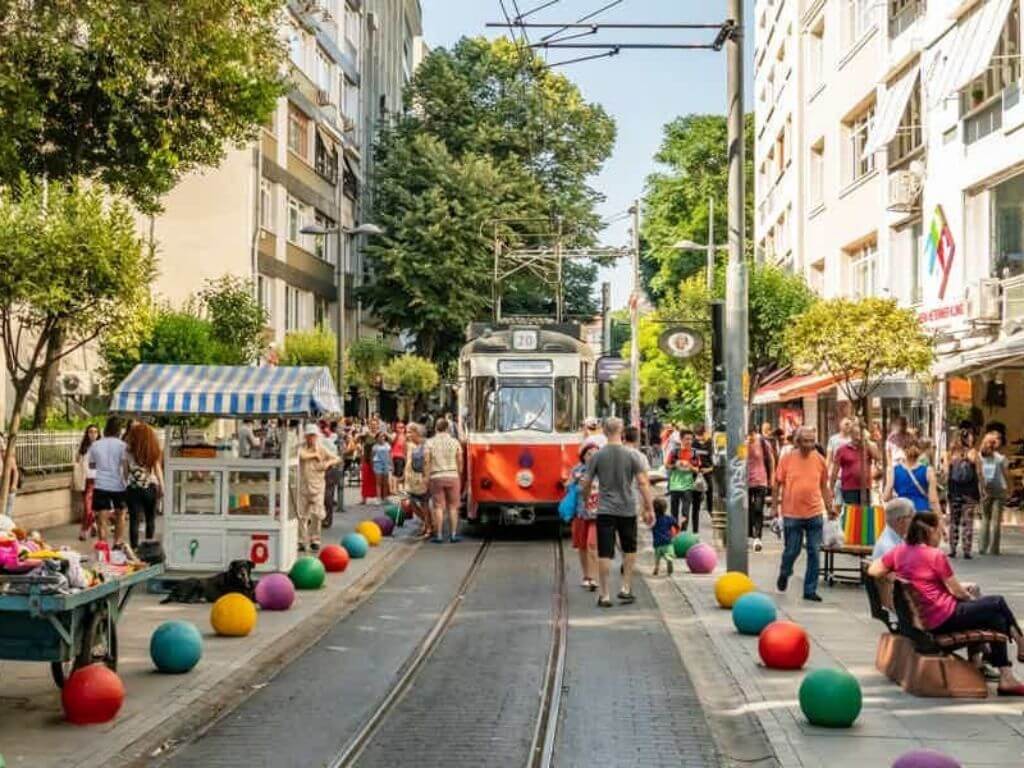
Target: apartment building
{"points": [[908, 168], [309, 166]]}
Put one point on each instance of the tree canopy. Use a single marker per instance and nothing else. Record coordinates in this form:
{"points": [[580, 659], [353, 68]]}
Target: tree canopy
{"points": [[237, 320], [694, 153], [411, 377], [490, 133], [314, 348], [860, 342], [133, 94]]}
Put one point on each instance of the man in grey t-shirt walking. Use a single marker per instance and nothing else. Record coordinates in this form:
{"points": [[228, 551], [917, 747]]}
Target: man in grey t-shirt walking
{"points": [[616, 467]]}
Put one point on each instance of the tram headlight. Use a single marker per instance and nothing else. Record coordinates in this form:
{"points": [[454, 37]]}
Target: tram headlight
{"points": [[524, 478]]}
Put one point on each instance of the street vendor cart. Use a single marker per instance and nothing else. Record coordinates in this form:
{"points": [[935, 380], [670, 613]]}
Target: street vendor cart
{"points": [[68, 630], [222, 502]]}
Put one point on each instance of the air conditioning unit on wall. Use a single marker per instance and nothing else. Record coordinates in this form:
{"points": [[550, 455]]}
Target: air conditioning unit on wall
{"points": [[80, 383], [904, 191], [983, 301], [323, 97]]}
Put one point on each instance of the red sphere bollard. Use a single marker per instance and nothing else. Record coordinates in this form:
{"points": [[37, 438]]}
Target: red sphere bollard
{"points": [[92, 694], [784, 645], [334, 558]]}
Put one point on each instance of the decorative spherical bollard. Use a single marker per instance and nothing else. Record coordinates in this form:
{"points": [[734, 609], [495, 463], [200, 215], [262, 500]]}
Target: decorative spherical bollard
{"points": [[307, 573], [371, 532], [233, 615], [92, 694], [176, 646], [406, 510], [682, 542], [275, 592], [701, 558], [784, 645], [925, 758], [753, 612], [386, 524], [334, 558], [830, 698], [355, 544], [730, 586], [396, 513]]}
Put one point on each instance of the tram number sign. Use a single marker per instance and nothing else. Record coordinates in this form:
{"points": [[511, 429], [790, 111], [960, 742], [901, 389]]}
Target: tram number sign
{"points": [[681, 342], [610, 367]]}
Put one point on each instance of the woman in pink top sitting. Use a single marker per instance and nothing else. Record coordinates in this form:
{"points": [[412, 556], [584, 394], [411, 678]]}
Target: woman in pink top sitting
{"points": [[944, 604]]}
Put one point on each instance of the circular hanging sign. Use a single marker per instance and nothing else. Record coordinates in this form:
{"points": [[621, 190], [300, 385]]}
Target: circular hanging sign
{"points": [[681, 342]]}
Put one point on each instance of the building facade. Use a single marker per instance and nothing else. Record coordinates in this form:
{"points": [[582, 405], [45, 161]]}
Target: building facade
{"points": [[907, 169], [310, 166]]}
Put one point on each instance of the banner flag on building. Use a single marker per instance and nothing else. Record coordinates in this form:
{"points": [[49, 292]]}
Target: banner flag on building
{"points": [[940, 248]]}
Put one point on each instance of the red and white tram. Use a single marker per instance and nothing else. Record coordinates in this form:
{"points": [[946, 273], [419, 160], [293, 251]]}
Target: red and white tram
{"points": [[524, 394]]}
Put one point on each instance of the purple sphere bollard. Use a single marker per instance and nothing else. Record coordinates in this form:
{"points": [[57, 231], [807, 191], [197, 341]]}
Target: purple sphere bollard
{"points": [[386, 524], [925, 758], [275, 592], [701, 558]]}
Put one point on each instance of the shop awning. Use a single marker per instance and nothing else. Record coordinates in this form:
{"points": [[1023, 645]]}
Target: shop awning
{"points": [[227, 391], [892, 109], [793, 388], [1001, 352], [971, 46]]}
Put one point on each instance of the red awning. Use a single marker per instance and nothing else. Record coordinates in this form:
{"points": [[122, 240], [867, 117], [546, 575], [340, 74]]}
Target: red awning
{"points": [[793, 388]]}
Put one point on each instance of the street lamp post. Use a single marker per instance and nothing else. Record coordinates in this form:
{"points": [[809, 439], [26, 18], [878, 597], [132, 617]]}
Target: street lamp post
{"points": [[339, 280]]}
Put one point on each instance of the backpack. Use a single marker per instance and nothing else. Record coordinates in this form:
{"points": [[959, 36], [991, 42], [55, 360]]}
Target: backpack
{"points": [[962, 472]]}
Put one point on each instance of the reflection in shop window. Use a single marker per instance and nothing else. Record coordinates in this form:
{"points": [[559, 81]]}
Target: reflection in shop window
{"points": [[1008, 227]]}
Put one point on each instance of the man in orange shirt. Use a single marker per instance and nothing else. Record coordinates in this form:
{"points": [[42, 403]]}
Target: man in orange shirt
{"points": [[802, 477]]}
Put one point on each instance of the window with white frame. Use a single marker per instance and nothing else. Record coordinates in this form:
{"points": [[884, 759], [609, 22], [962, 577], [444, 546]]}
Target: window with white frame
{"points": [[859, 19], [816, 54], [325, 246], [350, 99], [863, 263], [981, 101], [860, 163], [292, 308], [816, 173], [298, 132], [266, 205], [780, 153], [265, 296], [782, 247], [352, 31], [298, 217], [324, 70], [909, 134], [296, 46]]}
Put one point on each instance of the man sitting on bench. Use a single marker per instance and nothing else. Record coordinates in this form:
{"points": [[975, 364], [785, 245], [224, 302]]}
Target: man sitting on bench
{"points": [[898, 514], [945, 606]]}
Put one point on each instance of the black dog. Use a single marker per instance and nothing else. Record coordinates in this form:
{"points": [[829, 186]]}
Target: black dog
{"points": [[237, 578]]}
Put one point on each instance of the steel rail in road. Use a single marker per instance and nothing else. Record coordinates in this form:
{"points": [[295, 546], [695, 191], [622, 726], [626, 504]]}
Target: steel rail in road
{"points": [[542, 750], [365, 734]]}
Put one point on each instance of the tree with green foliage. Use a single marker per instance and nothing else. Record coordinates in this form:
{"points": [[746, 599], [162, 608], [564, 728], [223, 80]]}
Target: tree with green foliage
{"points": [[695, 156], [411, 377], [310, 348], [490, 133], [237, 319], [775, 297], [860, 342], [134, 95], [71, 263], [364, 361]]}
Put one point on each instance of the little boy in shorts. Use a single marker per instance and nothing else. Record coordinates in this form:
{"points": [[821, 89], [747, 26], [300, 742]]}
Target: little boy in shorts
{"points": [[662, 532]]}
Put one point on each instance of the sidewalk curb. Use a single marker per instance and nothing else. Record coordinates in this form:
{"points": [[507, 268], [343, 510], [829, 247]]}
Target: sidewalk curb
{"points": [[738, 732], [199, 715]]}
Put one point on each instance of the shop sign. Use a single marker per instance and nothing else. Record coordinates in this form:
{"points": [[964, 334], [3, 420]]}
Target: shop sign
{"points": [[610, 367], [940, 250], [941, 314]]}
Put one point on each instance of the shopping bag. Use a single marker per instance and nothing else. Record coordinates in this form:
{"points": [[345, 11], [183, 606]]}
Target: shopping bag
{"points": [[567, 506], [832, 534]]}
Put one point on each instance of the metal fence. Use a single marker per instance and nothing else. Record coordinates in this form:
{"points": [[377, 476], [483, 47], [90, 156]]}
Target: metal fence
{"points": [[40, 453]]}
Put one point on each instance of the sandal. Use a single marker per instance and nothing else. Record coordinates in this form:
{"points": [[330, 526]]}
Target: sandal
{"points": [[604, 602], [626, 597]]}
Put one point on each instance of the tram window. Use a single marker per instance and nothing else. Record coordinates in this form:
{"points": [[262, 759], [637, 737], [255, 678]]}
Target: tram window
{"points": [[481, 404], [524, 408], [567, 404]]}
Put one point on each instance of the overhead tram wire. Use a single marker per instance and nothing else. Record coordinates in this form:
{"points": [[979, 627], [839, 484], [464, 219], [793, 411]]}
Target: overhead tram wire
{"points": [[585, 17]]}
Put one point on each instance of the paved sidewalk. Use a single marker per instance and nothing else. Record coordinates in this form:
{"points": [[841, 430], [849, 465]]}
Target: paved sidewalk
{"points": [[33, 733], [987, 732]]}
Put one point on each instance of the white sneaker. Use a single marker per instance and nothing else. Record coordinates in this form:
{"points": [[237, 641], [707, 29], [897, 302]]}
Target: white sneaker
{"points": [[757, 545]]}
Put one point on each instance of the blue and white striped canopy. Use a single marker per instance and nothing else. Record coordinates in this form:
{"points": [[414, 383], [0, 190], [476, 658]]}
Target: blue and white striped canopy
{"points": [[227, 391]]}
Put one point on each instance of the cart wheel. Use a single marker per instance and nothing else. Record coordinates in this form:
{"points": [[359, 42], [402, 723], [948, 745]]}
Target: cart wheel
{"points": [[99, 642], [61, 671]]}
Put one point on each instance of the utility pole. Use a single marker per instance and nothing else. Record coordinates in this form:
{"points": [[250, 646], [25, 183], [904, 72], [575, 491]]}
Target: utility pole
{"points": [[606, 340], [709, 406], [634, 324], [735, 306]]}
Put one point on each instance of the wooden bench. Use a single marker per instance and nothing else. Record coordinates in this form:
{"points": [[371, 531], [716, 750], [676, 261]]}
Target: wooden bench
{"points": [[853, 575], [922, 662]]}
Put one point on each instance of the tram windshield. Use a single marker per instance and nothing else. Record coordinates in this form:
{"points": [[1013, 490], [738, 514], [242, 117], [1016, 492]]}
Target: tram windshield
{"points": [[524, 408]]}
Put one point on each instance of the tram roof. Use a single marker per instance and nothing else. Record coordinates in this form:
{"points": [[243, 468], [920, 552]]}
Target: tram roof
{"points": [[499, 342]]}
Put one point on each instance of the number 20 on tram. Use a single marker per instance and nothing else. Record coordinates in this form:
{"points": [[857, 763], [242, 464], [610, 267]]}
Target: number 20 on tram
{"points": [[524, 395]]}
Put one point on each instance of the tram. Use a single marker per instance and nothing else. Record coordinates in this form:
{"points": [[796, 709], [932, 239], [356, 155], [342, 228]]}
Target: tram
{"points": [[524, 394]]}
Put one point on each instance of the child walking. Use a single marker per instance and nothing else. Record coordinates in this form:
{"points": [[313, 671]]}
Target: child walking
{"points": [[662, 532]]}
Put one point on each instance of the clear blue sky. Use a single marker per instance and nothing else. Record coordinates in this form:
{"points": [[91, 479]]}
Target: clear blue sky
{"points": [[642, 90]]}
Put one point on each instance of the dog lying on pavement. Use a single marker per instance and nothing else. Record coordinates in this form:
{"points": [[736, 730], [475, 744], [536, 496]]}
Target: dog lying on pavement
{"points": [[237, 578]]}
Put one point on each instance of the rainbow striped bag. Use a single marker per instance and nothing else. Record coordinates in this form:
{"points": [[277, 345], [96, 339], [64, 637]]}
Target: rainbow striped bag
{"points": [[862, 525]]}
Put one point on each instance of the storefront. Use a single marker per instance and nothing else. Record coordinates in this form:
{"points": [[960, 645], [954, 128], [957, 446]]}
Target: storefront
{"points": [[223, 502]]}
